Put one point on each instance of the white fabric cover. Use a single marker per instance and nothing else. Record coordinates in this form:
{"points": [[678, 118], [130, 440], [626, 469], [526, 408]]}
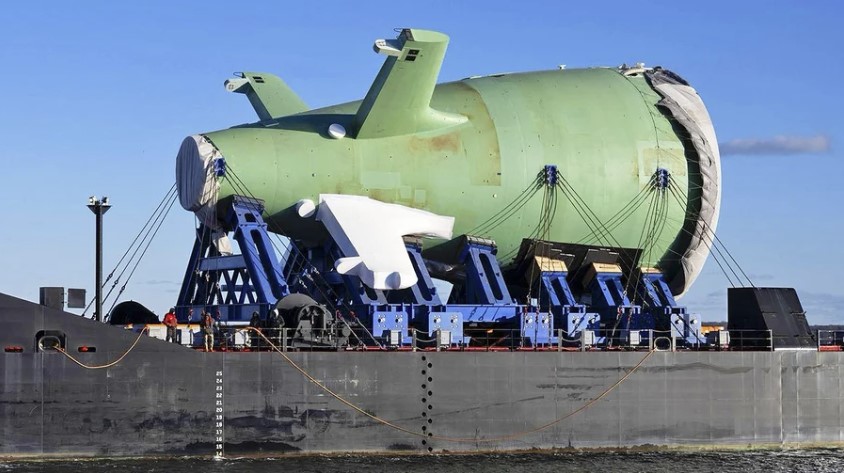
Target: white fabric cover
{"points": [[195, 180], [222, 242], [369, 233], [687, 108]]}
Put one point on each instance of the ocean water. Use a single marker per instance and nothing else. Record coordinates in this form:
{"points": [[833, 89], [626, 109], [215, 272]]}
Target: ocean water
{"points": [[644, 462]]}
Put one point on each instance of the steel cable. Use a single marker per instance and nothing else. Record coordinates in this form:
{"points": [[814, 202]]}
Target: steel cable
{"points": [[715, 253], [163, 216], [623, 214], [506, 212], [713, 234], [131, 245], [145, 230], [716, 248]]}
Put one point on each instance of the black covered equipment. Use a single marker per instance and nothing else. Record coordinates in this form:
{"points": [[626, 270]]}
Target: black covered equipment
{"points": [[754, 311]]}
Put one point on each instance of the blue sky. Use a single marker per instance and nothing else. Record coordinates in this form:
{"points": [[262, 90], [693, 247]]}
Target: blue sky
{"points": [[97, 97]]}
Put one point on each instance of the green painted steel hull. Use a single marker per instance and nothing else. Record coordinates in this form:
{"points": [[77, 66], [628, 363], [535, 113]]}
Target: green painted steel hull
{"points": [[601, 128]]}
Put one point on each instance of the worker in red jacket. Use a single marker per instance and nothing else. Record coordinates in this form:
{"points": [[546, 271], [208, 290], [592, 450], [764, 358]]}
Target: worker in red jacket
{"points": [[170, 322]]}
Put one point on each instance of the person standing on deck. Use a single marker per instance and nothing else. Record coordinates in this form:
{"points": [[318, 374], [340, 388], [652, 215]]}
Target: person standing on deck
{"points": [[218, 330], [207, 323], [170, 322], [255, 337]]}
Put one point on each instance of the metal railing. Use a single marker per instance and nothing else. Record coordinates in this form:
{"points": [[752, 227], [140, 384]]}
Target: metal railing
{"points": [[751, 340], [830, 340], [242, 338]]}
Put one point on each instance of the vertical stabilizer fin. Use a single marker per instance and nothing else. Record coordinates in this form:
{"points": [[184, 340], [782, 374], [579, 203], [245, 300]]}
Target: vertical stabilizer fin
{"points": [[398, 103], [268, 94]]}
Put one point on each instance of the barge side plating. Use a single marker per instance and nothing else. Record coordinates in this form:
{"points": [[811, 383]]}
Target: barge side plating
{"points": [[162, 398]]}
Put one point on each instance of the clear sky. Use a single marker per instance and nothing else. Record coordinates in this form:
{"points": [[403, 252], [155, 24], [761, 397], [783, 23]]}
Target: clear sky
{"points": [[97, 97]]}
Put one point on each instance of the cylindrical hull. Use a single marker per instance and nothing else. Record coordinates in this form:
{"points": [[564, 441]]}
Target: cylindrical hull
{"points": [[602, 129]]}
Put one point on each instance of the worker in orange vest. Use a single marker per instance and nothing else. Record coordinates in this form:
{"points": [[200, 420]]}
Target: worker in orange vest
{"points": [[170, 322]]}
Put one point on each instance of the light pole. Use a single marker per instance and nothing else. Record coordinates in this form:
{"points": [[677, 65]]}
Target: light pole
{"points": [[99, 207]]}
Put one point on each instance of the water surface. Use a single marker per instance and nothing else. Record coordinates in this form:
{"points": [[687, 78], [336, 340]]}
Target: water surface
{"points": [[645, 462]]}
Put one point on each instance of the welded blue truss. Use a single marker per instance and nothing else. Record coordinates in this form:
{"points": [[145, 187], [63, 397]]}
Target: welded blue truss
{"points": [[557, 298], [234, 284], [484, 281], [659, 302]]}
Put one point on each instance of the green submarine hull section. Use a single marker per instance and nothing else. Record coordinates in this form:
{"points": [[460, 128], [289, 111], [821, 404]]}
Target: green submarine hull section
{"points": [[602, 129]]}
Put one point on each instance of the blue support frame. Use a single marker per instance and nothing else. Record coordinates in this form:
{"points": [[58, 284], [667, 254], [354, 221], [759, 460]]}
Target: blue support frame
{"points": [[656, 291], [233, 285], [608, 291], [555, 289], [250, 232], [237, 285], [561, 303], [566, 311], [617, 313], [423, 292], [484, 281], [660, 302]]}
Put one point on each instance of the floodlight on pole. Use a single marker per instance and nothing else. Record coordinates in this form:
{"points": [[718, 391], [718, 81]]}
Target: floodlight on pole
{"points": [[99, 207]]}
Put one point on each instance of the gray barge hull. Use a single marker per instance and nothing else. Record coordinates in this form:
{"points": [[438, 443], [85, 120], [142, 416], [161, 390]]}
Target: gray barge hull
{"points": [[164, 399]]}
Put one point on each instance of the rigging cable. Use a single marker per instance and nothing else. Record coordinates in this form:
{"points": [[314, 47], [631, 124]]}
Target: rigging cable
{"points": [[716, 248], [131, 245], [591, 219], [624, 213], [158, 218], [143, 253], [510, 209], [716, 253], [649, 217], [145, 230], [713, 237], [547, 212]]}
